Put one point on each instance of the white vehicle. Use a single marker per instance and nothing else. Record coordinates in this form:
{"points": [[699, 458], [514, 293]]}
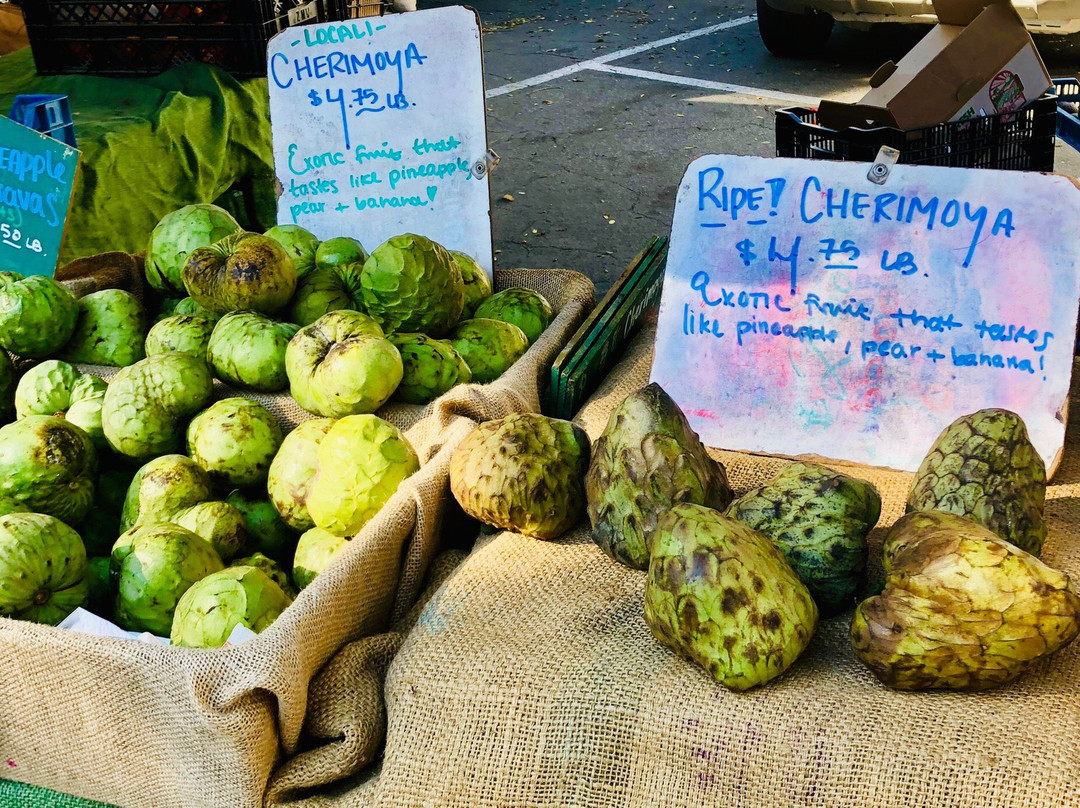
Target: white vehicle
{"points": [[802, 27]]}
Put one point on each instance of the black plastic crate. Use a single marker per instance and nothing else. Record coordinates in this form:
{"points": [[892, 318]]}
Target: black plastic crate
{"points": [[144, 38], [1022, 140]]}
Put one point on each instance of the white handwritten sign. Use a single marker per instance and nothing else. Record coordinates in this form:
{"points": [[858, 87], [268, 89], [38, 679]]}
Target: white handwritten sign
{"points": [[379, 129], [809, 311]]}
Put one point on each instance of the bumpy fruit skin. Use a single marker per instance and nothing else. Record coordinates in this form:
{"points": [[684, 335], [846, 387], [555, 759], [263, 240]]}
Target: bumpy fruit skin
{"points": [[430, 367], [647, 459], [219, 523], [338, 251], [146, 402], [153, 566], [234, 440], [524, 472], [342, 365], [410, 283], [319, 292], [180, 333], [314, 552], [476, 281], [819, 519], [242, 271], [962, 609], [359, 465], [984, 466], [299, 243], [37, 315], [163, 487], [47, 465], [267, 532], [273, 570], [489, 347], [42, 568], [721, 594], [209, 611], [188, 306], [528, 310], [293, 469], [248, 349], [111, 330], [54, 387], [176, 235]]}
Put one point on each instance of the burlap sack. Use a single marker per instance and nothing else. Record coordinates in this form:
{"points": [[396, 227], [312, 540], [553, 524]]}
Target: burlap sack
{"points": [[531, 679], [146, 725]]}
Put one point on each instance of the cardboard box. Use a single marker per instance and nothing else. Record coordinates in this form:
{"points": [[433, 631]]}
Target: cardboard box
{"points": [[979, 60]]}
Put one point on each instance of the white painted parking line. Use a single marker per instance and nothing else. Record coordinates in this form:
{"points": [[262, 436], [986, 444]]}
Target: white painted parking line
{"points": [[577, 67], [686, 81]]}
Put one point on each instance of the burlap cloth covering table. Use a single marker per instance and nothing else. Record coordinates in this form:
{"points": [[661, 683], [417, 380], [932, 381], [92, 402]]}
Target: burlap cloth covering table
{"points": [[531, 679], [139, 724]]}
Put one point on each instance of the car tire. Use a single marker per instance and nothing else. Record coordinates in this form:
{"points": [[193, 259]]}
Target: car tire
{"points": [[792, 35]]}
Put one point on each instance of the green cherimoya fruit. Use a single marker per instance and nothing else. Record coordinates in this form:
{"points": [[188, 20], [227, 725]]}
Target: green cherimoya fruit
{"points": [[267, 532], [721, 594], [489, 347], [342, 365], [476, 282], [299, 243], [234, 440], [42, 568], [411, 283], [272, 568], [819, 519], [219, 523], [163, 487], [962, 609], [153, 566], [57, 388], [314, 552], [524, 472], [176, 235], [47, 465], [37, 314], [214, 606], [187, 305], [647, 459], [983, 466], [430, 367], [242, 271], [248, 349], [111, 330], [146, 403], [528, 310], [180, 333], [338, 251], [319, 292], [359, 465], [293, 469]]}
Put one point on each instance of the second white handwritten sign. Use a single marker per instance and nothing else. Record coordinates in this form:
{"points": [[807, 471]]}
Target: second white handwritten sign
{"points": [[379, 128], [809, 310]]}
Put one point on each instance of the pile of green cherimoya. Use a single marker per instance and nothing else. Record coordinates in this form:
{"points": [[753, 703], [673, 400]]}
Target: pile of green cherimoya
{"points": [[737, 585], [148, 502], [283, 311]]}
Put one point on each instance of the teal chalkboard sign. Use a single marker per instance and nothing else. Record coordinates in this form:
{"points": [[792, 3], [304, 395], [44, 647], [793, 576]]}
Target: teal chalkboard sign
{"points": [[37, 175]]}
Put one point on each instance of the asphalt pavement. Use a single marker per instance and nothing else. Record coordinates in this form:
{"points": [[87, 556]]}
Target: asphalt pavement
{"points": [[595, 109]]}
